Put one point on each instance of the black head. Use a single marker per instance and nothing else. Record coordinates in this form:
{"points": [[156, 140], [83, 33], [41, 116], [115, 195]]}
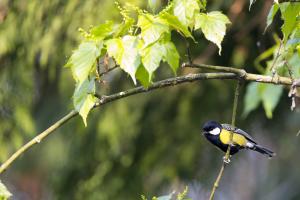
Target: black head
{"points": [[210, 126]]}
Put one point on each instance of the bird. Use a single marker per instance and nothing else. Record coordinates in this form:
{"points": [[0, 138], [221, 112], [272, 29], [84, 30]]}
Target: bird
{"points": [[219, 135]]}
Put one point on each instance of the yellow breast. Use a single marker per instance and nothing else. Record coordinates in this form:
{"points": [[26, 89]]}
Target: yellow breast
{"points": [[237, 138]]}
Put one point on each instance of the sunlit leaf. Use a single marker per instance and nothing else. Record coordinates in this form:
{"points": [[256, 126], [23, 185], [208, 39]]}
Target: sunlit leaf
{"points": [[185, 10], [151, 57], [271, 14], [202, 4], [126, 53], [83, 60], [123, 28], [176, 24], [102, 31], [289, 13], [252, 98], [4, 193], [213, 25], [84, 99], [151, 28], [171, 55], [115, 49], [154, 5]]}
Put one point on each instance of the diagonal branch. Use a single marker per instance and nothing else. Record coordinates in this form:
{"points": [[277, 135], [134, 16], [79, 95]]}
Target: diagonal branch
{"points": [[230, 73]]}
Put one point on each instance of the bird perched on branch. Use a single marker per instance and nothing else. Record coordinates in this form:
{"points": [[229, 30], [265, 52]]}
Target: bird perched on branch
{"points": [[219, 135]]}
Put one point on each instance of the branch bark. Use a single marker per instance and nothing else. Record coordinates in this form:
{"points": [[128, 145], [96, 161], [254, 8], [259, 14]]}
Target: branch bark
{"points": [[230, 73]]}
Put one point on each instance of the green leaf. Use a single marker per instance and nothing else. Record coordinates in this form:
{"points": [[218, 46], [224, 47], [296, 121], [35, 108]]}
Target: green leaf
{"points": [[294, 38], [289, 13], [84, 99], [83, 60], [152, 28], [271, 14], [143, 76], [183, 195], [252, 98], [176, 24], [154, 5], [123, 28], [202, 4], [102, 31], [213, 25], [185, 11], [151, 57], [115, 49], [4, 193], [126, 53], [270, 95], [171, 55]]}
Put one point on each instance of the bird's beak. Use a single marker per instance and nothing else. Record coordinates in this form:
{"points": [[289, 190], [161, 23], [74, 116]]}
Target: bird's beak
{"points": [[204, 133]]}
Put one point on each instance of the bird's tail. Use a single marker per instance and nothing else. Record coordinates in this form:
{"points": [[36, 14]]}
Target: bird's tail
{"points": [[263, 150]]}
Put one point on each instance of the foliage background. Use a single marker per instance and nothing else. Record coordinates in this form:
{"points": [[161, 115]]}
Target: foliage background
{"points": [[147, 144]]}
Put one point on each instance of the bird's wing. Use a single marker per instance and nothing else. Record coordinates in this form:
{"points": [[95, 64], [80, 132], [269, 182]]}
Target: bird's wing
{"points": [[238, 131]]}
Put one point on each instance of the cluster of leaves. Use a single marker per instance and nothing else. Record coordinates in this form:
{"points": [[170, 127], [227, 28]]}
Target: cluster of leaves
{"points": [[139, 45], [4, 193], [180, 196], [281, 59]]}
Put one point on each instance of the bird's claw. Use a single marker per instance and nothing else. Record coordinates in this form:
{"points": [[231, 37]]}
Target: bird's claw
{"points": [[226, 160]]}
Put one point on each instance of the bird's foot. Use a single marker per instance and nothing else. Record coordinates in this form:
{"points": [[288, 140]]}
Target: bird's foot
{"points": [[226, 160]]}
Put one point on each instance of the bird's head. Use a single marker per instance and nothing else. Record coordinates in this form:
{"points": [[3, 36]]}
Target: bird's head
{"points": [[212, 127]]}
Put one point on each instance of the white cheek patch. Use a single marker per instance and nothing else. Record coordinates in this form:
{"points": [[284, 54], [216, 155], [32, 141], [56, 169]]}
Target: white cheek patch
{"points": [[215, 131]]}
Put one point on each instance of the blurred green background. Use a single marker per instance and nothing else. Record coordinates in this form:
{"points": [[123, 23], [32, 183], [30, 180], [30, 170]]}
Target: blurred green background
{"points": [[146, 144]]}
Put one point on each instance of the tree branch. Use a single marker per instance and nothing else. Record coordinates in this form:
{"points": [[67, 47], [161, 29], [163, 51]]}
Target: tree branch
{"points": [[231, 73], [280, 80]]}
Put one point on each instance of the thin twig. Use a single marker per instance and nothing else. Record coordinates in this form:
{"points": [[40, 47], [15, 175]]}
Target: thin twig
{"points": [[234, 111], [275, 59], [188, 51], [227, 154], [233, 74], [109, 69], [240, 72], [217, 181]]}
